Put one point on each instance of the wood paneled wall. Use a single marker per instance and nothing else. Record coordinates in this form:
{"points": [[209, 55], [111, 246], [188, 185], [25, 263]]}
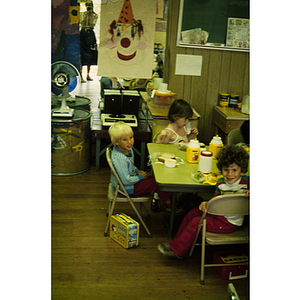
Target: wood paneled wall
{"points": [[222, 72]]}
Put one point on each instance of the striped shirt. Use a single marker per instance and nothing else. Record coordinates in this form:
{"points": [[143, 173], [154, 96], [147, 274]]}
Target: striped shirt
{"points": [[238, 187]]}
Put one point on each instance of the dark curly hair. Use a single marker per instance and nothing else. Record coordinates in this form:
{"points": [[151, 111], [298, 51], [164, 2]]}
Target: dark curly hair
{"points": [[179, 109], [233, 154]]}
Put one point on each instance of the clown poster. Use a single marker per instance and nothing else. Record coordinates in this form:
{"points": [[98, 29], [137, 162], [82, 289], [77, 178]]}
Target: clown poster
{"points": [[126, 46]]}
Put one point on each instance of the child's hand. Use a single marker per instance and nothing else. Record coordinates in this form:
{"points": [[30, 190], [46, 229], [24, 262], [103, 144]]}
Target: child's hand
{"points": [[194, 131], [143, 173], [163, 137], [202, 206]]}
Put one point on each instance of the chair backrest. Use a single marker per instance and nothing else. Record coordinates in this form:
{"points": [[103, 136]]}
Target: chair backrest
{"points": [[235, 136], [228, 205], [108, 158]]}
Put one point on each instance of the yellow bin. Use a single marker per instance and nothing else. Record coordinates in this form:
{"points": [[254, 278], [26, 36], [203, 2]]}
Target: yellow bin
{"points": [[70, 144]]}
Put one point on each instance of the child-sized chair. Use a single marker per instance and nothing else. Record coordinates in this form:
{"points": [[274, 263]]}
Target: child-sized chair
{"points": [[235, 136], [223, 205], [120, 196]]}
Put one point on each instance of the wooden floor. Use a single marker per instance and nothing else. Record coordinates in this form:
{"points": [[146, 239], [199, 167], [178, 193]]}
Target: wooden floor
{"points": [[88, 265]]}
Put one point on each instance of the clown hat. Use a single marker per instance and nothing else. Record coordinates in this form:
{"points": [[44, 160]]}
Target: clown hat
{"points": [[126, 15]]}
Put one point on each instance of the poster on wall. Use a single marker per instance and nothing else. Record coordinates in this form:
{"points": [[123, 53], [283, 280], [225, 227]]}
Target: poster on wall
{"points": [[238, 33], [126, 47]]}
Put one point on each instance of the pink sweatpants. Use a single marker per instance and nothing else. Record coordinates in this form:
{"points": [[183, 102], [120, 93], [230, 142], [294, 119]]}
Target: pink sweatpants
{"points": [[149, 185], [183, 241]]}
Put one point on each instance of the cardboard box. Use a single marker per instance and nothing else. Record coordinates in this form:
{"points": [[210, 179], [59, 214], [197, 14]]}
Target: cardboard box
{"points": [[228, 271], [124, 230]]}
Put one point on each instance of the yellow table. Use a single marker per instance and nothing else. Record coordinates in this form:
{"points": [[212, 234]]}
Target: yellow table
{"points": [[177, 179]]}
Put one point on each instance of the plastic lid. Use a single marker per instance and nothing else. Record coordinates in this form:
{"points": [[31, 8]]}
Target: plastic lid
{"points": [[194, 144], [206, 153], [217, 140]]}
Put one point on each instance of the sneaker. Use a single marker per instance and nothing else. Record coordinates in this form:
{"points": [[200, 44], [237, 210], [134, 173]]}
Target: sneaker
{"points": [[166, 250]]}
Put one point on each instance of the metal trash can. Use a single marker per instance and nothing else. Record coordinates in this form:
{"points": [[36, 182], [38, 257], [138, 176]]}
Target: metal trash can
{"points": [[70, 144]]}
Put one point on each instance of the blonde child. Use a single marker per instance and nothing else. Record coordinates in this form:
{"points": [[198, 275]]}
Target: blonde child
{"points": [[136, 182], [179, 114]]}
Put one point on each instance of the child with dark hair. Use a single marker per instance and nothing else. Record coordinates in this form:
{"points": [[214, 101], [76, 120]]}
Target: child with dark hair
{"points": [[233, 163], [179, 114]]}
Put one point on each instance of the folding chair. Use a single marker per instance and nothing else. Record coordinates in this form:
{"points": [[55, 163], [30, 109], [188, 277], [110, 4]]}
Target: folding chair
{"points": [[224, 205], [122, 196], [235, 136]]}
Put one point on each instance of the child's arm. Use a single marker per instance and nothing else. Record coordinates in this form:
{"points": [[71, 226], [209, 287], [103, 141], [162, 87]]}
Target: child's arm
{"points": [[143, 173], [164, 137], [124, 171], [194, 132]]}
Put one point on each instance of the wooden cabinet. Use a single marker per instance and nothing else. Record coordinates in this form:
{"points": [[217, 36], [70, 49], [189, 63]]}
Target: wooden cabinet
{"points": [[226, 119]]}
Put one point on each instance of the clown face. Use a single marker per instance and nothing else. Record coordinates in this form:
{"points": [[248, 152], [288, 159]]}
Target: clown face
{"points": [[124, 49]]}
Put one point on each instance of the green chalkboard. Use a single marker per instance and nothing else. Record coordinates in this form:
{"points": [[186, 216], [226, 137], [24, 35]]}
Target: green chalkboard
{"points": [[212, 16]]}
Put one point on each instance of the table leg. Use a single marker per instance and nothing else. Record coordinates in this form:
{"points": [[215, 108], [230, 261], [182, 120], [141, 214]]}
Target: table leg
{"points": [[143, 151], [174, 198], [98, 147], [99, 153]]}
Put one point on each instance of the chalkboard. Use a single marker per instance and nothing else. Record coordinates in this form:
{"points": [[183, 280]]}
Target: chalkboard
{"points": [[212, 16]]}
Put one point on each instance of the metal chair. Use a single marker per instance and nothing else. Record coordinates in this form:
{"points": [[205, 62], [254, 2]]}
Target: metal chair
{"points": [[223, 205], [235, 136], [120, 196]]}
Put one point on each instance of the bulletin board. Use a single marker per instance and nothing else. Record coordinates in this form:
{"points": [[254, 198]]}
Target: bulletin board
{"points": [[211, 16]]}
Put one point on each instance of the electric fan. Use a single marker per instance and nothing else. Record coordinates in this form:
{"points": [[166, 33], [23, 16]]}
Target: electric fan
{"points": [[64, 79]]}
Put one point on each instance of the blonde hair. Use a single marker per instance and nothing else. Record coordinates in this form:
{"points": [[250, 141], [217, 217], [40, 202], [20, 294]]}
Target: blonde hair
{"points": [[117, 130]]}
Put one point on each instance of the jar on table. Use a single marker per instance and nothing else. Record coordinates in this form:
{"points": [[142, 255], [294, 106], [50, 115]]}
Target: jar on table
{"points": [[193, 151], [223, 100], [205, 162], [233, 100], [215, 145]]}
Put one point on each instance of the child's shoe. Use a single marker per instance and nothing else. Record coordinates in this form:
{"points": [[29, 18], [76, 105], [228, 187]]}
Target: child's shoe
{"points": [[155, 203], [166, 250]]}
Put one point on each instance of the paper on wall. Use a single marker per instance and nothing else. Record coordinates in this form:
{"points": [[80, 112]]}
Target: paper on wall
{"points": [[188, 65], [126, 46]]}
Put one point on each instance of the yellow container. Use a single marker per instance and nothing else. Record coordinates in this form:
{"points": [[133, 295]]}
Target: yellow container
{"points": [[124, 230], [224, 99], [193, 152], [215, 145]]}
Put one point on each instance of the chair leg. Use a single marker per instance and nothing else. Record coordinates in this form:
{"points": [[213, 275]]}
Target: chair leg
{"points": [[111, 209], [203, 253], [145, 209], [196, 238], [140, 218]]}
